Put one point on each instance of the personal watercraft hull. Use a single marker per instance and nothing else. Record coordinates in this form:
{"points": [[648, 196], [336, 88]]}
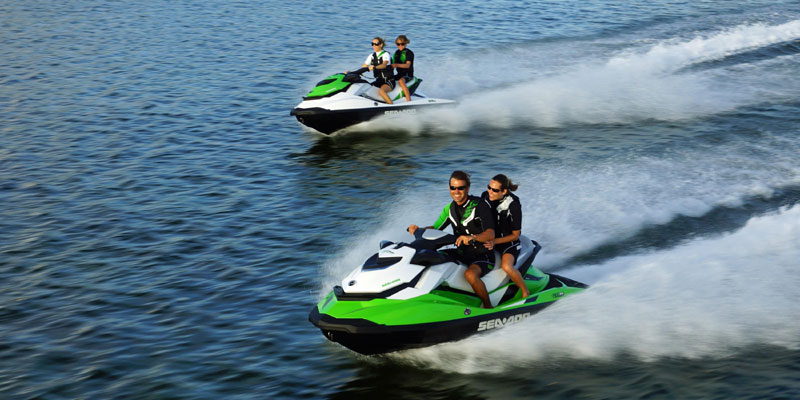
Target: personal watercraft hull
{"points": [[373, 335], [341, 101], [328, 121], [411, 295]]}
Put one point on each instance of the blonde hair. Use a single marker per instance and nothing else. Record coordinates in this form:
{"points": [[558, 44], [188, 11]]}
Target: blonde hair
{"points": [[403, 38]]}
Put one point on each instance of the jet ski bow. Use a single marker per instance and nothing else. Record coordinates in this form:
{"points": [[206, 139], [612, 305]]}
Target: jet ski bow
{"points": [[409, 295]]}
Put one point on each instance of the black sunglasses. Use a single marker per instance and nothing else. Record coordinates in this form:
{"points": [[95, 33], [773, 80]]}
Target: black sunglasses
{"points": [[400, 44], [493, 189], [457, 187], [376, 44]]}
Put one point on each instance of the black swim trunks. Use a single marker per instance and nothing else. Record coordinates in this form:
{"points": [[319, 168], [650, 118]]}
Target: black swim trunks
{"points": [[381, 81], [512, 248], [483, 260]]}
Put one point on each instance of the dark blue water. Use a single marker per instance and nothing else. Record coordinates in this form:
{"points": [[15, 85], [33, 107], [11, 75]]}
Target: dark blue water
{"points": [[166, 226]]}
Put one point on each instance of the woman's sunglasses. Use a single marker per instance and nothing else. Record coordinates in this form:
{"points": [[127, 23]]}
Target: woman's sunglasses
{"points": [[493, 189]]}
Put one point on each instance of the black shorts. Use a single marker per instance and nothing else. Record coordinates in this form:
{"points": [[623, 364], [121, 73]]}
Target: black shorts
{"points": [[512, 248], [483, 260], [380, 82], [408, 78]]}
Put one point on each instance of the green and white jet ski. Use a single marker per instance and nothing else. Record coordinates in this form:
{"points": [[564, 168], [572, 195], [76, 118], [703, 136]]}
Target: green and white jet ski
{"points": [[409, 295], [343, 100]]}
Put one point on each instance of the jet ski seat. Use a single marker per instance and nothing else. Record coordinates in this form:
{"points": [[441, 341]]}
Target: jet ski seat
{"points": [[496, 278], [373, 93]]}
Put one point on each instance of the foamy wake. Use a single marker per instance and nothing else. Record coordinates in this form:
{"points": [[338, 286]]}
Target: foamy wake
{"points": [[703, 297], [638, 84], [572, 208], [706, 298]]}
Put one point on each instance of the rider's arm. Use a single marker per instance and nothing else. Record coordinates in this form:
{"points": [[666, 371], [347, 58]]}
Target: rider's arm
{"points": [[484, 213], [384, 64], [484, 236], [443, 219], [440, 223], [413, 228], [409, 60], [516, 225], [368, 63], [510, 238]]}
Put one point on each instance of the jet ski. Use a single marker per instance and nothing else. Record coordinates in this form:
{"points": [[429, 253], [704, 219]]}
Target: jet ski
{"points": [[409, 295], [343, 100]]}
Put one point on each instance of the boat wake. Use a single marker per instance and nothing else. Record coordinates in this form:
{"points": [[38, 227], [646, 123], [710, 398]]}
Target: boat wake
{"points": [[703, 293], [707, 298], [699, 293], [640, 83]]}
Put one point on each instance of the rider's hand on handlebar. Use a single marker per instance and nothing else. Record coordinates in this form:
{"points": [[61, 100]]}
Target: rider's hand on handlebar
{"points": [[464, 239]]}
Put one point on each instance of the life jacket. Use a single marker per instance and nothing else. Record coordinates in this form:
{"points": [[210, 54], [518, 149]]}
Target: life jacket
{"points": [[504, 216], [386, 73], [399, 57], [464, 222]]}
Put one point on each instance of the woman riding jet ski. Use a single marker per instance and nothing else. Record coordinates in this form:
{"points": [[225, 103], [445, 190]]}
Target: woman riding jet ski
{"points": [[342, 100], [409, 295]]}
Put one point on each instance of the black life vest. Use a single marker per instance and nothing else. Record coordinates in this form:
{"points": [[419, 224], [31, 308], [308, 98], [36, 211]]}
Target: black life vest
{"points": [[386, 73], [469, 225], [505, 219], [399, 57]]}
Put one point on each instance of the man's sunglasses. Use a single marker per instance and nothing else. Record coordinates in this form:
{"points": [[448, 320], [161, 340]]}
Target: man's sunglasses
{"points": [[457, 187], [492, 189], [400, 44]]}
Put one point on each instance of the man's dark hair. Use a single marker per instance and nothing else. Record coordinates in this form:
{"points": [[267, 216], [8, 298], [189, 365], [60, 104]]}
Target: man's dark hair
{"points": [[460, 175]]}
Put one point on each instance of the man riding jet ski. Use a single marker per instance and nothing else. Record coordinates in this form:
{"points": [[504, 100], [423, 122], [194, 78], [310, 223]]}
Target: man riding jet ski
{"points": [[410, 295], [346, 99]]}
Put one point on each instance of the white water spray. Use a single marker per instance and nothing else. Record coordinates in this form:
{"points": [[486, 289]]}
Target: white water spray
{"points": [[634, 85], [707, 298], [660, 306]]}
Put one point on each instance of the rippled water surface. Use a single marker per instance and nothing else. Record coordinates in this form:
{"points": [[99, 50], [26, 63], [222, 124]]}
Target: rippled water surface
{"points": [[166, 226]]}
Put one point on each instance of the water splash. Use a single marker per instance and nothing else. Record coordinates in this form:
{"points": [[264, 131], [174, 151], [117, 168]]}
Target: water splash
{"points": [[707, 298], [633, 85], [572, 207]]}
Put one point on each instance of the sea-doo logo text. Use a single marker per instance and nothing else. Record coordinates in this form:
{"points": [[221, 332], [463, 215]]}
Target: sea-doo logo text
{"points": [[501, 322], [389, 283], [395, 112]]}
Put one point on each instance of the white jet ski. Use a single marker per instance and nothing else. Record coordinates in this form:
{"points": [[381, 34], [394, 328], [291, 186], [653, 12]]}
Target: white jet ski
{"points": [[343, 100]]}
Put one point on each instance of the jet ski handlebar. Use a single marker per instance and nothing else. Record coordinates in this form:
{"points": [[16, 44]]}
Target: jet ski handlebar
{"points": [[355, 76], [358, 71], [431, 239]]}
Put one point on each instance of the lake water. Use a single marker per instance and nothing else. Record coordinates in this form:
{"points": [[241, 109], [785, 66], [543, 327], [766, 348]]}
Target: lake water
{"points": [[166, 226]]}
